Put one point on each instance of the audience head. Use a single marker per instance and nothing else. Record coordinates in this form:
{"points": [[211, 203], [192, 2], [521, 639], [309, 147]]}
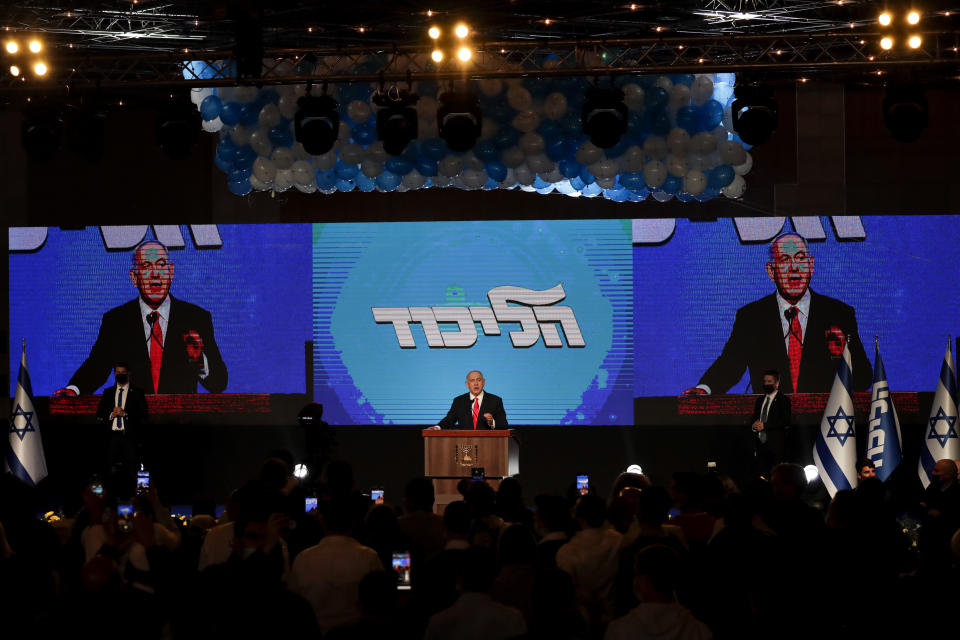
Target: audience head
{"points": [[336, 518], [419, 495], [553, 514], [627, 480], [456, 519], [517, 546], [842, 512], [687, 490], [656, 574], [788, 481], [945, 473], [510, 497], [590, 512], [476, 570], [866, 469], [481, 498], [653, 506], [256, 502], [274, 473]]}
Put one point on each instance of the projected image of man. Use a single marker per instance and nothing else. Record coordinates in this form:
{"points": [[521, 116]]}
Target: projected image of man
{"points": [[475, 409], [794, 330], [168, 343]]}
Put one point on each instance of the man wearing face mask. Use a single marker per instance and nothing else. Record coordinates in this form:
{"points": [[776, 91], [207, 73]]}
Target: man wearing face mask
{"points": [[123, 408], [771, 425]]}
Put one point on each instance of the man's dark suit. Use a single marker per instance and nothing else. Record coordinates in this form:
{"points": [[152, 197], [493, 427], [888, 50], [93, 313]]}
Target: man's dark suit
{"points": [[122, 339], [780, 443], [461, 413], [757, 343], [123, 447]]}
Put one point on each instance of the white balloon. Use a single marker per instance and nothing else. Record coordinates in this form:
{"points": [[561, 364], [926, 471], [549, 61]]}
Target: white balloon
{"points": [[551, 176], [371, 168], [326, 161], [513, 157], [450, 166], [662, 196], [343, 133], [199, 94], [720, 134], [588, 153], [540, 163], [282, 157], [488, 128], [224, 93], [240, 134], [306, 188], [358, 111], [259, 184], [664, 83], [283, 180], [245, 94], [473, 179], [606, 183], [441, 181], [212, 126], [470, 161], [633, 96], [287, 106], [555, 105], [631, 160], [655, 147], [677, 165], [264, 169], [732, 153], [703, 143], [694, 182], [299, 152], [526, 121], [269, 116], [376, 152], [414, 180], [532, 143], [260, 142], [654, 173], [303, 172], [525, 175], [605, 168], [351, 154], [519, 98], [679, 96], [736, 188], [490, 87], [678, 141], [744, 169], [702, 90], [526, 188]]}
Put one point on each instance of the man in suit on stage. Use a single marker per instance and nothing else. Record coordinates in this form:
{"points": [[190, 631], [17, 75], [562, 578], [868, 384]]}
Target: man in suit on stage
{"points": [[475, 409], [794, 330], [169, 343], [772, 442], [123, 409]]}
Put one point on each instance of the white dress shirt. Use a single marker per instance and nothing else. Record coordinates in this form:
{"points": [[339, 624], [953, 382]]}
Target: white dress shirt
{"points": [[119, 402], [475, 616]]}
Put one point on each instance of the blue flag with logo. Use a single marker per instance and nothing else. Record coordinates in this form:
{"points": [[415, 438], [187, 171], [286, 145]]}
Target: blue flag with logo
{"points": [[940, 433], [835, 451], [25, 456], [883, 440]]}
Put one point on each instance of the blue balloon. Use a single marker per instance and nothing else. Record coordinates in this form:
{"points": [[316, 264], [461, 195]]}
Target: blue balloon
{"points": [[224, 165], [569, 168], [639, 195], [617, 195], [364, 183], [427, 167], [240, 187], [486, 151], [656, 98], [388, 180], [239, 175], [592, 190], [687, 119], [710, 115], [672, 184], [248, 113], [245, 158], [281, 135], [230, 113], [617, 150], [540, 183], [506, 137], [632, 181], [707, 194], [577, 183], [400, 166], [682, 78], [586, 176], [226, 149], [345, 186], [364, 134], [346, 171], [491, 185], [210, 108], [549, 129], [433, 149], [659, 123], [572, 127], [411, 152], [684, 197], [557, 149], [497, 171], [720, 176], [326, 180]]}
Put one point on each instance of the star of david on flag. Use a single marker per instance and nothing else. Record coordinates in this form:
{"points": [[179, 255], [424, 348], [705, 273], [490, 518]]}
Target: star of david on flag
{"points": [[835, 451], [25, 457], [940, 440], [884, 441]]}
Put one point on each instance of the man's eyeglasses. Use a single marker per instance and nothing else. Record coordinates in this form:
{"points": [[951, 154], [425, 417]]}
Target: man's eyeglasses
{"points": [[150, 266], [784, 260]]}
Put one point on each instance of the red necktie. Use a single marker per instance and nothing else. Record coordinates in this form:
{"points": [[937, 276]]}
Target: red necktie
{"points": [[476, 411], [156, 353], [795, 348]]}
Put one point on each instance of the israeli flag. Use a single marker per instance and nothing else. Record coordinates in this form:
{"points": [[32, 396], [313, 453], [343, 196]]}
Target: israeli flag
{"points": [[25, 456], [884, 440], [940, 433], [835, 451]]}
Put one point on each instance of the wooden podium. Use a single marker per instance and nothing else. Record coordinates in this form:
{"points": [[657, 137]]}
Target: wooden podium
{"points": [[450, 456]]}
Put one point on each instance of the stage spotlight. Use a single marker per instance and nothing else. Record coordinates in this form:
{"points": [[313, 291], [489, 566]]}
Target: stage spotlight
{"points": [[40, 69], [459, 119], [397, 120], [461, 31], [886, 43], [35, 46], [604, 116], [178, 128], [437, 55], [915, 42], [464, 54], [754, 113], [41, 133], [885, 19], [635, 468], [14, 70], [434, 33], [811, 472], [316, 124], [913, 17], [905, 112], [12, 47], [300, 471]]}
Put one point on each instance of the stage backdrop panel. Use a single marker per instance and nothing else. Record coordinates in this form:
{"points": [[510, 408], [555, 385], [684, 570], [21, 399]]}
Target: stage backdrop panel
{"points": [[556, 342], [899, 273], [253, 279]]}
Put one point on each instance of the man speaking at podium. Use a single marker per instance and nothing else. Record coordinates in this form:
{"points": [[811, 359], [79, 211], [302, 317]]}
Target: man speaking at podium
{"points": [[475, 409]]}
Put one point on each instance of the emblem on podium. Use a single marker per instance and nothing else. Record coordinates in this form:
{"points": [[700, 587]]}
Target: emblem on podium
{"points": [[467, 455]]}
